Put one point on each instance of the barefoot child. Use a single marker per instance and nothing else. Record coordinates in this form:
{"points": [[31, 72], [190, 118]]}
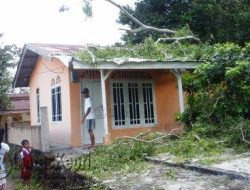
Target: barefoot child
{"points": [[26, 162]]}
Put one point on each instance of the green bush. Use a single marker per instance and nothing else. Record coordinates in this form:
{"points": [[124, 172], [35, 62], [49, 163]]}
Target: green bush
{"points": [[229, 131], [219, 88]]}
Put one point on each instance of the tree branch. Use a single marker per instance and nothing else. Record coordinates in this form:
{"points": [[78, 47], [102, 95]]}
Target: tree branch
{"points": [[153, 140], [178, 39], [243, 136], [214, 106], [91, 54], [142, 25]]}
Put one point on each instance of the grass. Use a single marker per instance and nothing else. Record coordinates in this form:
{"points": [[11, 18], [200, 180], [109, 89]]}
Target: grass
{"points": [[17, 181], [188, 146], [119, 158], [127, 155]]}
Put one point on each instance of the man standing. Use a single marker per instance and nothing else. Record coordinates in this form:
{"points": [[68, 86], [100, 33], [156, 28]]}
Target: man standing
{"points": [[89, 116]]}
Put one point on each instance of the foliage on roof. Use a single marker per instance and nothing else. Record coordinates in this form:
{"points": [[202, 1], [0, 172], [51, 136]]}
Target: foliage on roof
{"points": [[149, 50]]}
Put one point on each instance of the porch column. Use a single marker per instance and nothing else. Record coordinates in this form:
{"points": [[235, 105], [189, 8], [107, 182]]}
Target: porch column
{"points": [[104, 104], [178, 75]]}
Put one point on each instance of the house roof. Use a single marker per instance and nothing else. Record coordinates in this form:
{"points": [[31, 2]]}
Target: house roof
{"points": [[68, 55], [19, 104], [55, 49], [31, 52]]}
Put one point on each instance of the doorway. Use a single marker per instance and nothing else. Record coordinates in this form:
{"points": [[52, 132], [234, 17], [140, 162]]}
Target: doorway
{"points": [[96, 98]]}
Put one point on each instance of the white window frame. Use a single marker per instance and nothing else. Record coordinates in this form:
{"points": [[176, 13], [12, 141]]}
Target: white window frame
{"points": [[56, 103], [142, 123]]}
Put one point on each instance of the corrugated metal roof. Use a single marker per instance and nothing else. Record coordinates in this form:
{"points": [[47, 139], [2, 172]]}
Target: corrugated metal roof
{"points": [[58, 49], [30, 54], [20, 102]]}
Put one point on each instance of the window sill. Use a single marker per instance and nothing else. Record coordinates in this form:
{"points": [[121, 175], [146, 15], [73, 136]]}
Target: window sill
{"points": [[56, 122]]}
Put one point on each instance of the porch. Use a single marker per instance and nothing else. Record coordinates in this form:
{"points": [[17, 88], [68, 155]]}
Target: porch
{"points": [[150, 100]]}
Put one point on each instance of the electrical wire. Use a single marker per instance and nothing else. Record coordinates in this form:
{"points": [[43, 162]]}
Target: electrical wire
{"points": [[49, 70], [52, 70]]}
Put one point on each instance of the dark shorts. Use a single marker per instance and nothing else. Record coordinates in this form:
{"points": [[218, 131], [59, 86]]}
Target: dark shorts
{"points": [[90, 124]]}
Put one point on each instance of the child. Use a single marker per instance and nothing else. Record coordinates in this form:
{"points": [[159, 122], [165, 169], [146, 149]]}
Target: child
{"points": [[26, 162]]}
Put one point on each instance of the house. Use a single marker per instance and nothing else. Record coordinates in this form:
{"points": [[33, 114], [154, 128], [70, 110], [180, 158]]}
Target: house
{"points": [[18, 114], [129, 95], [19, 110]]}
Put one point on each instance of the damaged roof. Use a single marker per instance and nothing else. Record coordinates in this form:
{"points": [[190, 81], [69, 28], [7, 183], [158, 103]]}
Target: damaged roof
{"points": [[69, 56]]}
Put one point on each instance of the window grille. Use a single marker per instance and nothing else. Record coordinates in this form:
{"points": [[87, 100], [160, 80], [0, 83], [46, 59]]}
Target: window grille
{"points": [[134, 107], [118, 100], [148, 103]]}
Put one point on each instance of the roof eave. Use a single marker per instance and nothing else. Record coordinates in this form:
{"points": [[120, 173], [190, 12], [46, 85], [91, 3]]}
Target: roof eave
{"points": [[19, 66], [25, 48], [78, 65]]}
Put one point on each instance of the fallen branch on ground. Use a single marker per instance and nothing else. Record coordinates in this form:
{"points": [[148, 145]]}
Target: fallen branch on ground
{"points": [[142, 134], [243, 136], [153, 140], [197, 137]]}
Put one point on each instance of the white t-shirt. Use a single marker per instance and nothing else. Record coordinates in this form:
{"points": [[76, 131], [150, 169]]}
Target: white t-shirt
{"points": [[88, 104], [4, 150]]}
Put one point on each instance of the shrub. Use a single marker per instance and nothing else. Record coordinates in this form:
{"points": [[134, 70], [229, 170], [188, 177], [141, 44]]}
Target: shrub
{"points": [[220, 87]]}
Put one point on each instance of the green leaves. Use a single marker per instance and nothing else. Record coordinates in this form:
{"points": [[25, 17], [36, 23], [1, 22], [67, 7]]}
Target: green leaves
{"points": [[87, 8], [212, 21], [146, 50], [219, 88], [122, 156], [8, 58]]}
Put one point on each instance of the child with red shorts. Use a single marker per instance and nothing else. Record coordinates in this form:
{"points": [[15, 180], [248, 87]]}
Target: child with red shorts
{"points": [[26, 162]]}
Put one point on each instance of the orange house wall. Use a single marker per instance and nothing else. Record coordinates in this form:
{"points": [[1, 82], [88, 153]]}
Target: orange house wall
{"points": [[41, 77], [167, 104]]}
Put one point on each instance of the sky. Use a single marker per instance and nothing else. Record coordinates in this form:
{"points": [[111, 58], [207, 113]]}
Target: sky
{"points": [[39, 21]]}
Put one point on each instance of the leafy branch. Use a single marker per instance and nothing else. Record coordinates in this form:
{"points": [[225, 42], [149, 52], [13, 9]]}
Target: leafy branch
{"points": [[143, 27]]}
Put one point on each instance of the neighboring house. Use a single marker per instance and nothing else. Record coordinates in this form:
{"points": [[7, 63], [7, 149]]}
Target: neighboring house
{"points": [[18, 115], [129, 96], [19, 110]]}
